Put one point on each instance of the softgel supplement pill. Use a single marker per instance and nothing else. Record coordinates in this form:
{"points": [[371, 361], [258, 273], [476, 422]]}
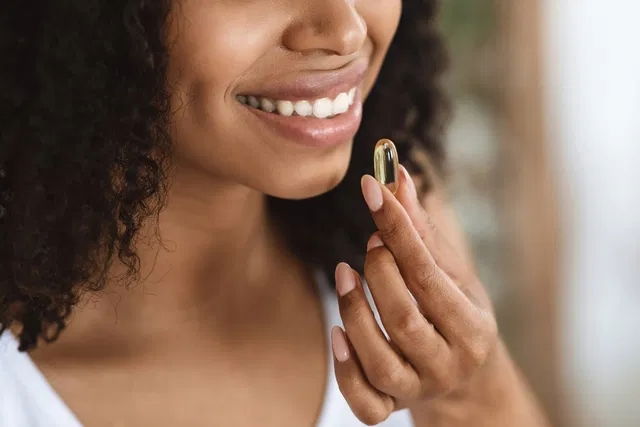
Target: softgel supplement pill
{"points": [[385, 164]]}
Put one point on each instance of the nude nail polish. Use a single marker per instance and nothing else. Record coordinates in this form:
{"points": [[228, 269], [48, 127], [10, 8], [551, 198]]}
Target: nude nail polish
{"points": [[339, 344], [345, 281], [371, 192]]}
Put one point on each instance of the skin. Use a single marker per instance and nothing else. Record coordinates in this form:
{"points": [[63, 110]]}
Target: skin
{"points": [[180, 347], [444, 360]]}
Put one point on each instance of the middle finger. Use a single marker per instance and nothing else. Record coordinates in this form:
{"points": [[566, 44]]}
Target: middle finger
{"points": [[416, 337], [437, 295]]}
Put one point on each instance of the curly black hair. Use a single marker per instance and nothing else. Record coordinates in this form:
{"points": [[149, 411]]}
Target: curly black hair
{"points": [[84, 149]]}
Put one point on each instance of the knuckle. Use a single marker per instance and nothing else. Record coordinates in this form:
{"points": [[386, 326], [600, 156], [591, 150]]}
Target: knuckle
{"points": [[411, 325], [386, 377], [478, 346], [373, 414], [436, 350], [392, 231], [426, 274], [441, 378], [476, 350], [443, 383]]}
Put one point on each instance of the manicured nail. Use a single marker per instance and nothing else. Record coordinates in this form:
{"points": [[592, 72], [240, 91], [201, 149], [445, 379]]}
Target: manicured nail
{"points": [[374, 242], [372, 192], [339, 344], [409, 180], [345, 280]]}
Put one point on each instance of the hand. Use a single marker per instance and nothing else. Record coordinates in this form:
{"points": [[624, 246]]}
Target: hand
{"points": [[435, 310]]}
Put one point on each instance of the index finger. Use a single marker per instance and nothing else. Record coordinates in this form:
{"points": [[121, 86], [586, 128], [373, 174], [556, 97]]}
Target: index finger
{"points": [[436, 294]]}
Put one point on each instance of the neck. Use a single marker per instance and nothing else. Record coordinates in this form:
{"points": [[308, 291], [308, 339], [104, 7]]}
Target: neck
{"points": [[219, 261]]}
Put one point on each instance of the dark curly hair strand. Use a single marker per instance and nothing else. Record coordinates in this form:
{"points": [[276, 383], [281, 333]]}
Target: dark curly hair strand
{"points": [[84, 149]]}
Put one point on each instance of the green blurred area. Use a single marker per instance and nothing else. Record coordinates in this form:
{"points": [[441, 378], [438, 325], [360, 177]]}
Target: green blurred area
{"points": [[468, 22], [470, 30]]}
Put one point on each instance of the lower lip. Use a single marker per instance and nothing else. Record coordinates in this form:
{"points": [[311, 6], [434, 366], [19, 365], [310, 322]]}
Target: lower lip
{"points": [[311, 131]]}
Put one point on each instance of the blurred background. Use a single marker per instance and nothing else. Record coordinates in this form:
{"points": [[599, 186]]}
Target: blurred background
{"points": [[545, 153]]}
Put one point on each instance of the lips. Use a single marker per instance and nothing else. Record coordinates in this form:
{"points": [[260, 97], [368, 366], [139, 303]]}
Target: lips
{"points": [[310, 85], [308, 131]]}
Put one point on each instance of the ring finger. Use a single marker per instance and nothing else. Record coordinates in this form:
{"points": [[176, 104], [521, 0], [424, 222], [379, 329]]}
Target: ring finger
{"points": [[385, 369]]}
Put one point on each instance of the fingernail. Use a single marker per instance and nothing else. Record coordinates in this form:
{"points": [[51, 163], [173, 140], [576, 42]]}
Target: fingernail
{"points": [[345, 281], [374, 242], [409, 180], [339, 344], [372, 192]]}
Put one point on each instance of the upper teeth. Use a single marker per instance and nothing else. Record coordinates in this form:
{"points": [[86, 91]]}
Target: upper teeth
{"points": [[320, 108]]}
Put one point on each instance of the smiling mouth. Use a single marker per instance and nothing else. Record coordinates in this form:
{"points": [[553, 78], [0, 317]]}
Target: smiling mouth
{"points": [[321, 108]]}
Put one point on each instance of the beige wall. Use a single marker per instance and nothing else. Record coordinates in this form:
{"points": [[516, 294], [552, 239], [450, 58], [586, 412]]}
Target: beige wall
{"points": [[529, 201]]}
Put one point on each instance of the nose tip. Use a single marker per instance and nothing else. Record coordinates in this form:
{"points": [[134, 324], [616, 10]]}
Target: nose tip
{"points": [[329, 25]]}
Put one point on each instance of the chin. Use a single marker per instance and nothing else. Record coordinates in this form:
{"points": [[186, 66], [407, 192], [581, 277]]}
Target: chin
{"points": [[303, 185]]}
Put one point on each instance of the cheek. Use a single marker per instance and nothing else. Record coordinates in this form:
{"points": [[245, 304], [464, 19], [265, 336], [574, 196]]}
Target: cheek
{"points": [[382, 18], [214, 46]]}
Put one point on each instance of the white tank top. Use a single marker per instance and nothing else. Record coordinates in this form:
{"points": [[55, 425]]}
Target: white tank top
{"points": [[28, 400], [335, 410]]}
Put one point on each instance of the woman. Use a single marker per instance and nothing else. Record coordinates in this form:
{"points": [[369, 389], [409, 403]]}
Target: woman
{"points": [[204, 154]]}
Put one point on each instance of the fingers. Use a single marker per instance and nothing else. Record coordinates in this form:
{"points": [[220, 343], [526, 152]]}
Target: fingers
{"points": [[439, 362], [420, 287], [384, 368], [371, 406], [438, 297], [442, 251], [415, 336]]}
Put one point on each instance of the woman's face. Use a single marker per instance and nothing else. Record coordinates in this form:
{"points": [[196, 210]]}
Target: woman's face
{"points": [[299, 58]]}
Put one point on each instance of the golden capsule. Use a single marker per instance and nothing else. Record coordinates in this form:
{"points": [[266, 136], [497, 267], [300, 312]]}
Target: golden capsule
{"points": [[385, 164]]}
